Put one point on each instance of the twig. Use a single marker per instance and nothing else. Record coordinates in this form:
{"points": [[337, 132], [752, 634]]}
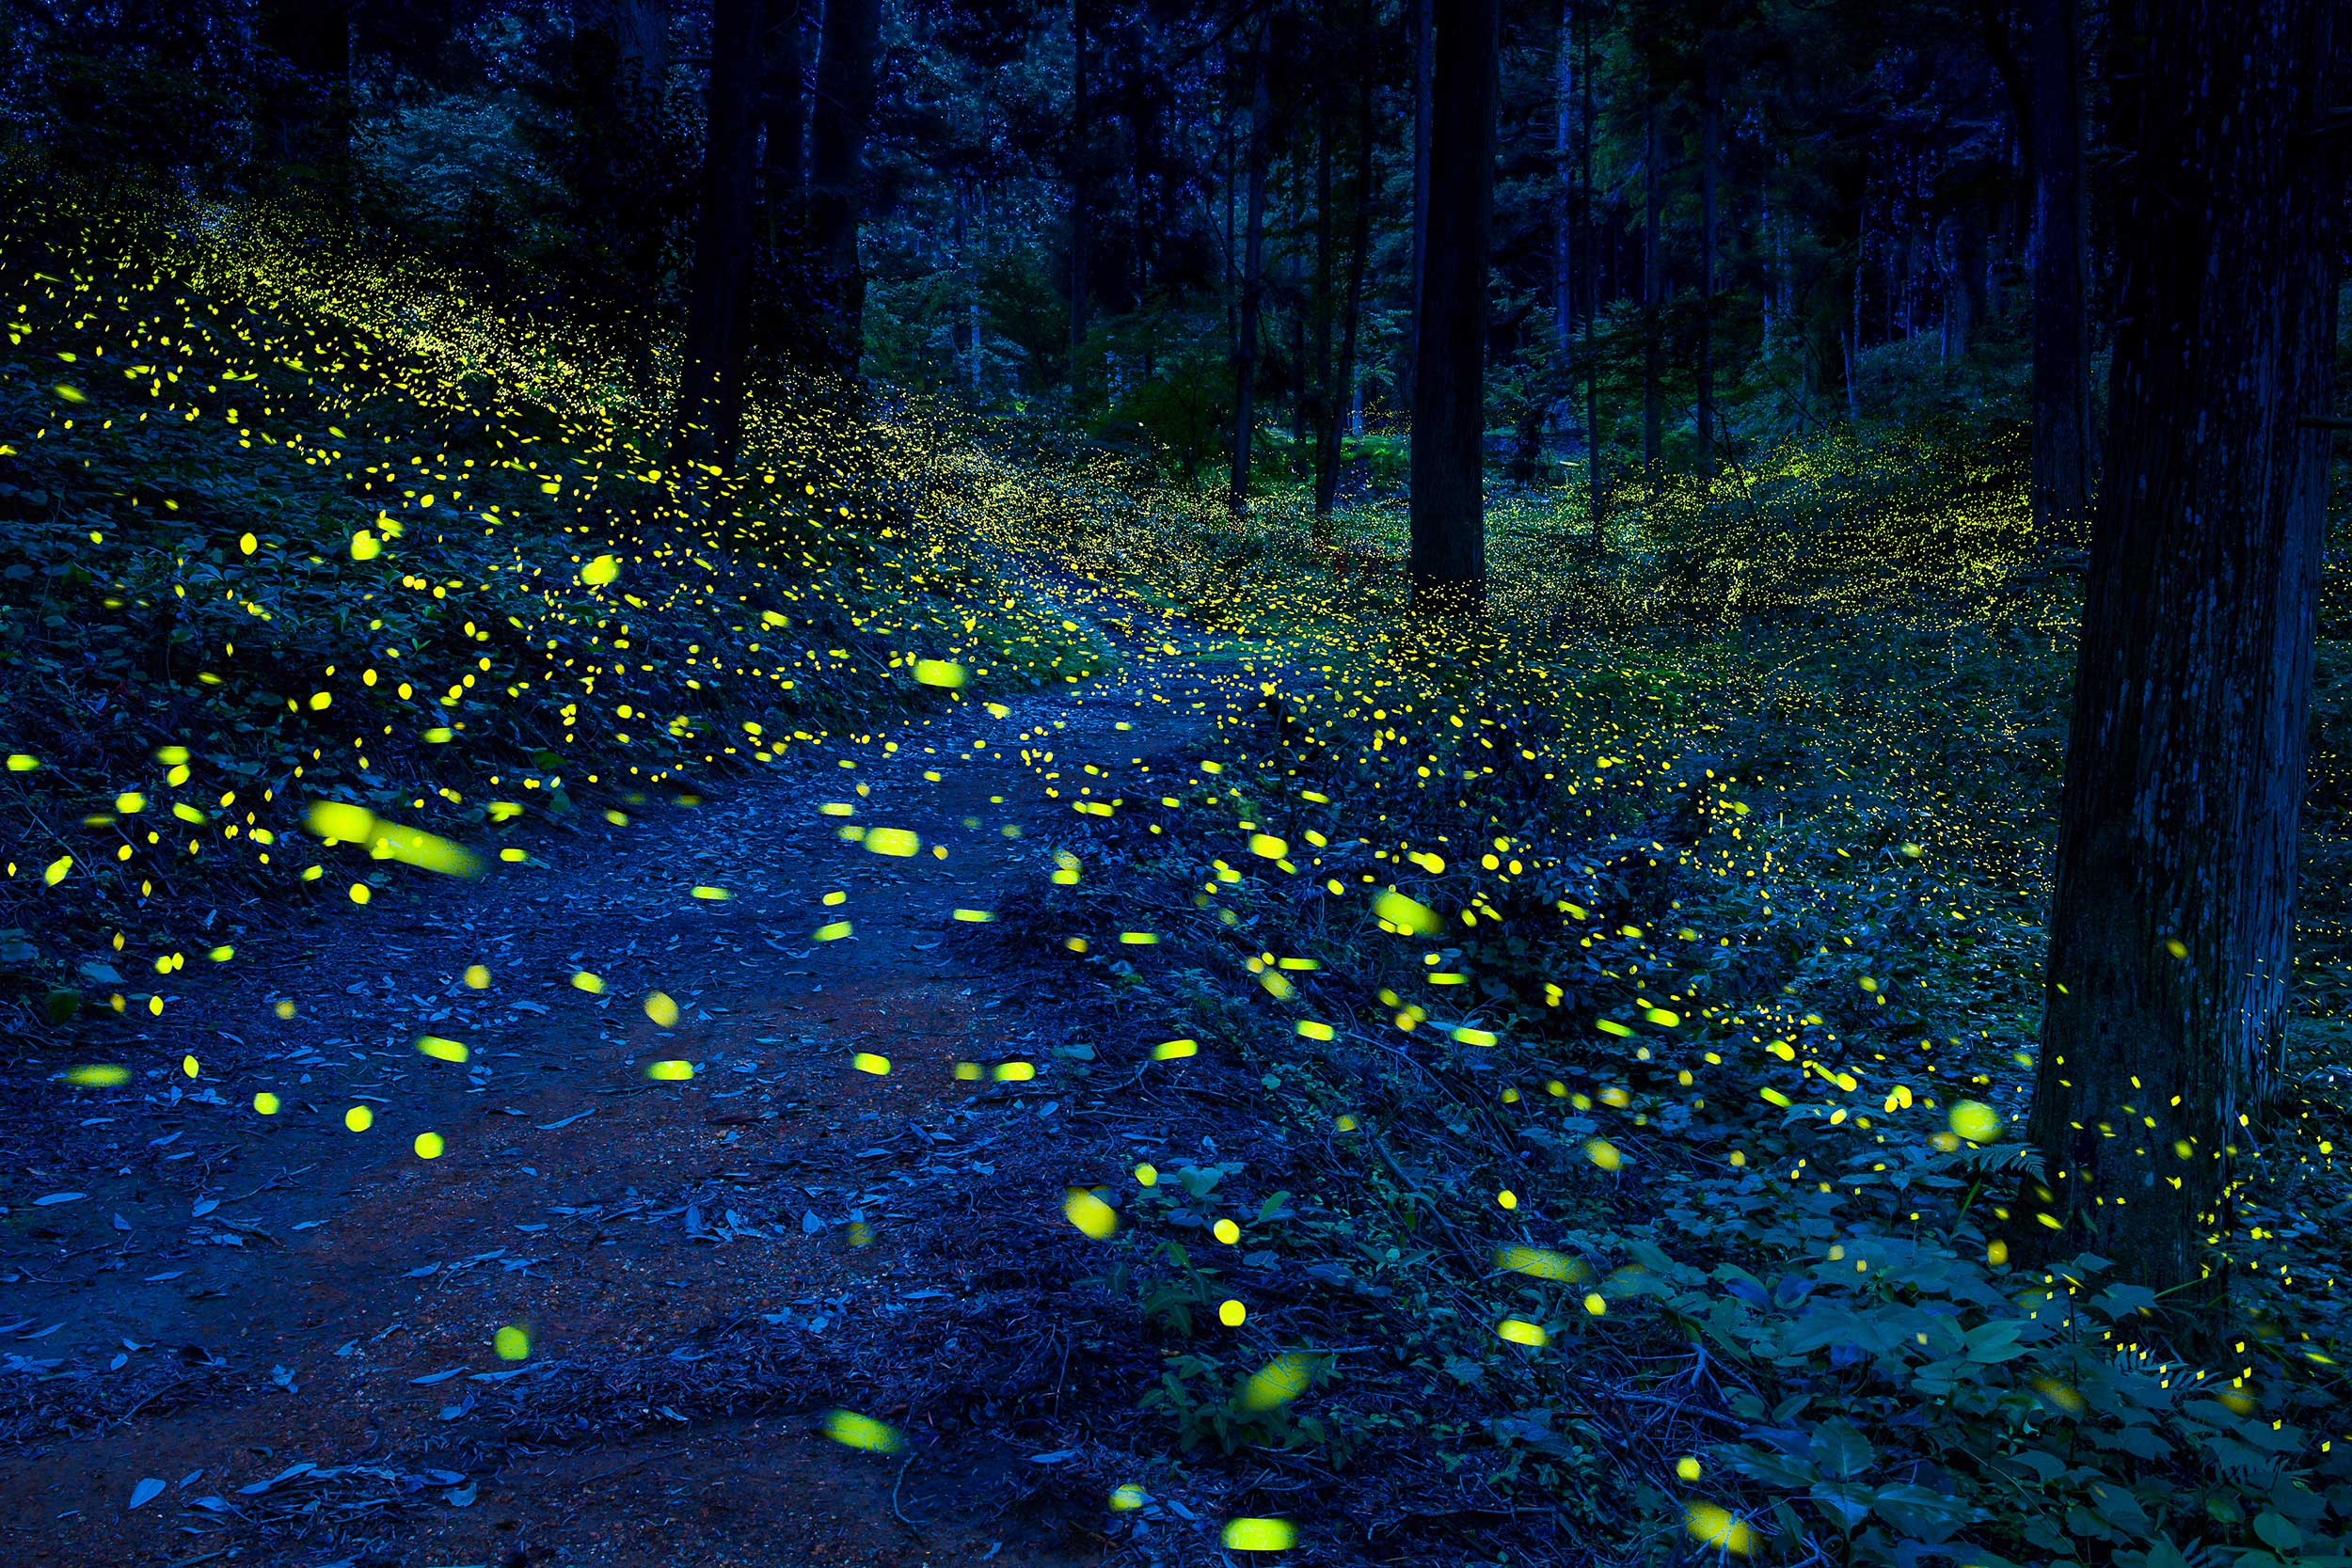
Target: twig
{"points": [[894, 1501], [281, 1178]]}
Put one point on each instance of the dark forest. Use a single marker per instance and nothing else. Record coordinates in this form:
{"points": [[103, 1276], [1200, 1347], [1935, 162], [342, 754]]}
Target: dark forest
{"points": [[1175, 781]]}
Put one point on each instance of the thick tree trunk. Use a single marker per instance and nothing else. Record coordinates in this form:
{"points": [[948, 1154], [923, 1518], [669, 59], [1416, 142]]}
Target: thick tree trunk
{"points": [[620, 67], [1653, 346], [1252, 280], [2172, 919], [837, 166], [782, 112], [2061, 326], [710, 413], [1710, 136], [1449, 522]]}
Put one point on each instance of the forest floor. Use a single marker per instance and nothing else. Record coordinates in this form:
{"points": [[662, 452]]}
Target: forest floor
{"points": [[1141, 1049], [303, 1315]]}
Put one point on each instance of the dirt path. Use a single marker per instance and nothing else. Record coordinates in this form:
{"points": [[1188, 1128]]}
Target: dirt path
{"points": [[291, 1324]]}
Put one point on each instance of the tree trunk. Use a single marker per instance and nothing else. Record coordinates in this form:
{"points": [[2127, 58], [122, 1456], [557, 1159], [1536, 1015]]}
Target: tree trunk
{"points": [[1449, 522], [1424, 79], [1253, 282], [837, 166], [1081, 129], [1232, 263], [1854, 329], [620, 68], [782, 111], [1711, 134], [1564, 91], [1653, 346], [1358, 250], [1597, 490], [2172, 918], [709, 414], [1315, 386], [2061, 327]]}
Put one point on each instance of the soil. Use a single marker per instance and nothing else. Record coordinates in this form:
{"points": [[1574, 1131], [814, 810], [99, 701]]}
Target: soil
{"points": [[291, 1325]]}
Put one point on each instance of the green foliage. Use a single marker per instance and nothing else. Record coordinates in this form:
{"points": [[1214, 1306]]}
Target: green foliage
{"points": [[282, 525], [1734, 839]]}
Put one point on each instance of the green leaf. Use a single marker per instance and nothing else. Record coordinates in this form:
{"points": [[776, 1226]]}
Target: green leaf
{"points": [[1996, 1340], [1841, 1450], [1921, 1512], [2276, 1531]]}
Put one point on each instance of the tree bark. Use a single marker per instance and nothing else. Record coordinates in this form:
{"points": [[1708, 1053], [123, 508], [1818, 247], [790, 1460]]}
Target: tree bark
{"points": [[1448, 508], [1252, 280], [836, 166], [1653, 346], [710, 413], [1232, 263], [1358, 250], [1425, 80], [1596, 489], [2062, 328], [1711, 136], [2173, 918], [1081, 129], [620, 68], [782, 112], [1563, 92], [1315, 386], [971, 252]]}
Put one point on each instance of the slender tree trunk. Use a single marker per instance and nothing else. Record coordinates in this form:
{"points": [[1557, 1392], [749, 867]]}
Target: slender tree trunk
{"points": [[1424, 79], [972, 258], [836, 165], [1233, 261], [1316, 387], [709, 412], [1711, 136], [782, 113], [1854, 329], [1968, 240], [1449, 522], [1596, 489], [1563, 94], [1081, 131], [1359, 249], [2172, 919], [1252, 280], [1303, 395], [2061, 327], [1653, 345]]}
